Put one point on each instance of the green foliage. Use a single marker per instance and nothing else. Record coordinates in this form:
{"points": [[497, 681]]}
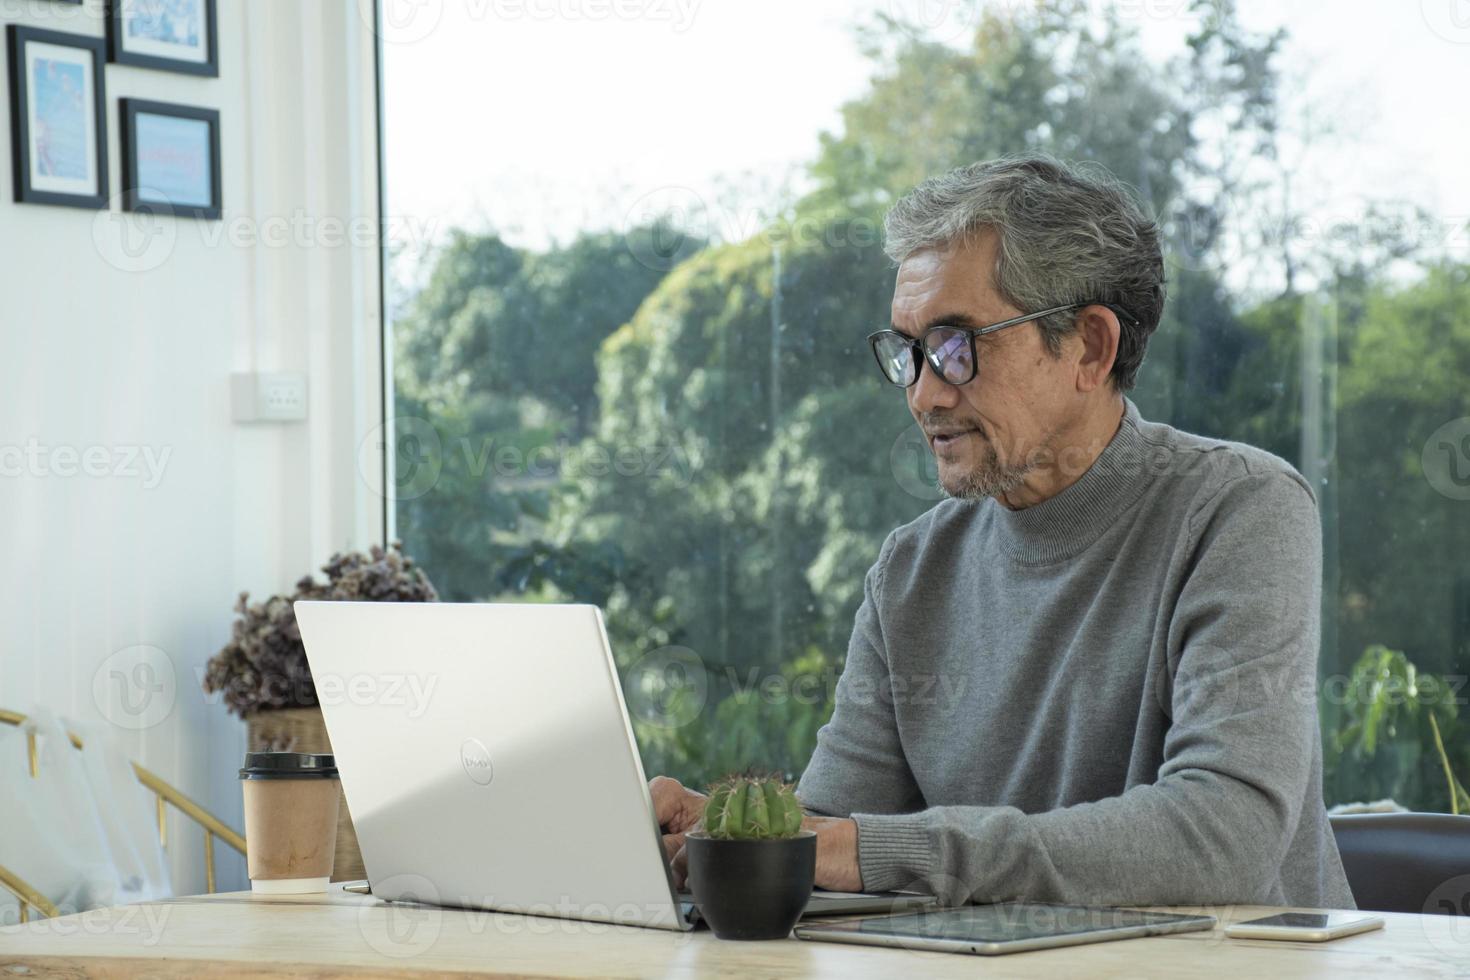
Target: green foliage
{"points": [[1404, 358], [496, 321], [1400, 731], [752, 807]]}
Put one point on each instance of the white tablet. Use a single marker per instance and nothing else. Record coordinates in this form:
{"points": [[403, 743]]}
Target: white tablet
{"points": [[1011, 927]]}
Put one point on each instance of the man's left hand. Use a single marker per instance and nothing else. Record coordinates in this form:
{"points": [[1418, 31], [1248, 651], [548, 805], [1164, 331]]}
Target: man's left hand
{"points": [[837, 853]]}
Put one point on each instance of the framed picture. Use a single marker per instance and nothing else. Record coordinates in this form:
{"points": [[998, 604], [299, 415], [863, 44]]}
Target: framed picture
{"points": [[57, 135], [170, 159], [170, 35]]}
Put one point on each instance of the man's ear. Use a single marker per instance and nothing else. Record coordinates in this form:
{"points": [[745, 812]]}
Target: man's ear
{"points": [[1098, 328]]}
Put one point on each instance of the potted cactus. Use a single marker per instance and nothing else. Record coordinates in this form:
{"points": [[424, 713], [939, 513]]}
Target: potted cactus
{"points": [[751, 868]]}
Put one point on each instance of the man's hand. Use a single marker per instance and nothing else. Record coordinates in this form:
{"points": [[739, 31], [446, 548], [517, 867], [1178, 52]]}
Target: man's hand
{"points": [[837, 853], [680, 810]]}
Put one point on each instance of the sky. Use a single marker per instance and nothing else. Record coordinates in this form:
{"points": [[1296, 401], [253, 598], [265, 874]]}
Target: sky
{"points": [[541, 117]]}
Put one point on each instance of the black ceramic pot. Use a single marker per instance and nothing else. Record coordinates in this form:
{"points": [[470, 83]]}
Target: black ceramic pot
{"points": [[751, 889]]}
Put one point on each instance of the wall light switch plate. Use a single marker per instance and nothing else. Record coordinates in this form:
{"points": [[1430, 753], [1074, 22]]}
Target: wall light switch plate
{"points": [[278, 396]]}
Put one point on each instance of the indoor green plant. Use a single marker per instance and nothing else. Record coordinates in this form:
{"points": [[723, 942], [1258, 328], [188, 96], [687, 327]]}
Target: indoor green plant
{"points": [[751, 867], [1400, 732]]}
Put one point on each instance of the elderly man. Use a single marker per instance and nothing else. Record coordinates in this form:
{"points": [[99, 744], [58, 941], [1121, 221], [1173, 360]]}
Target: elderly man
{"points": [[1125, 616]]}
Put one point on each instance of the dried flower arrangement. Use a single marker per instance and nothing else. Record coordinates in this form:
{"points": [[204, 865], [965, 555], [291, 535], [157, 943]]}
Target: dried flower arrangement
{"points": [[263, 667]]}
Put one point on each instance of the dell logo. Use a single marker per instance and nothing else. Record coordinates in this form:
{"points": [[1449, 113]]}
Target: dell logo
{"points": [[476, 761]]}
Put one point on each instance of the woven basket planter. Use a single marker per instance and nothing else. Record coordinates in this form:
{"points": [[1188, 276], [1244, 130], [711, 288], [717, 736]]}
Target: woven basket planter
{"points": [[302, 730]]}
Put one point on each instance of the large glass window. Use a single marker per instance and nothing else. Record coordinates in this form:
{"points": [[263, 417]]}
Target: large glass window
{"points": [[629, 365]]}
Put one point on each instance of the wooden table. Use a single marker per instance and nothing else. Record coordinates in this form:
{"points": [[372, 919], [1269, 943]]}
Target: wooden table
{"points": [[341, 933]]}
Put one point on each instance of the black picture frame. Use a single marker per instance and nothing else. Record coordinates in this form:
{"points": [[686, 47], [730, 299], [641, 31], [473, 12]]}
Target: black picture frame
{"points": [[133, 197], [25, 179], [118, 53]]}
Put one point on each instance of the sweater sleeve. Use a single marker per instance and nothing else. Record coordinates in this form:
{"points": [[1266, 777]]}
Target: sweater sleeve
{"points": [[1215, 825], [859, 763]]}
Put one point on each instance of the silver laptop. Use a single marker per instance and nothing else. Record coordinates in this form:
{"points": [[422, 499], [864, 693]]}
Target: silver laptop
{"points": [[489, 762]]}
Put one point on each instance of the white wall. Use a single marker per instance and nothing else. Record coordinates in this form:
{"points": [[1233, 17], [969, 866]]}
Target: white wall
{"points": [[97, 352]]}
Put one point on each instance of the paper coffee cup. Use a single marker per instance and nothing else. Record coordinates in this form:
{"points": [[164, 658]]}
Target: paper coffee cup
{"points": [[290, 821]]}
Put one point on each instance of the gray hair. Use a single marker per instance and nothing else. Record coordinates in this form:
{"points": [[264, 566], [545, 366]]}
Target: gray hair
{"points": [[1067, 233]]}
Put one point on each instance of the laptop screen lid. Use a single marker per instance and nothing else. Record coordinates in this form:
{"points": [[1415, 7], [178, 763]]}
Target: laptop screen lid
{"points": [[488, 759]]}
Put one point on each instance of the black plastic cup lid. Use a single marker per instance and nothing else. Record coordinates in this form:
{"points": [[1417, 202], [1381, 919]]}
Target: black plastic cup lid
{"points": [[289, 765]]}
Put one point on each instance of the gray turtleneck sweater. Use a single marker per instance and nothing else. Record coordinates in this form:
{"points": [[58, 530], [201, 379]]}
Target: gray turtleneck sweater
{"points": [[1108, 697]]}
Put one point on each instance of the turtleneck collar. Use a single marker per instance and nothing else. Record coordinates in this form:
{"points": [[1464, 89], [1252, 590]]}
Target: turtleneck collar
{"points": [[1065, 524]]}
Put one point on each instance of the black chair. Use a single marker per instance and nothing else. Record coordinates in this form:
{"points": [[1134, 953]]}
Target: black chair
{"points": [[1406, 862]]}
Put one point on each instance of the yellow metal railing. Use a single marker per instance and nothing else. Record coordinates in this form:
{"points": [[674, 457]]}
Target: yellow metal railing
{"points": [[164, 795]]}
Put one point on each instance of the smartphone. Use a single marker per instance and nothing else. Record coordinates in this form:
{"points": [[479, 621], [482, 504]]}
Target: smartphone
{"points": [[1305, 927]]}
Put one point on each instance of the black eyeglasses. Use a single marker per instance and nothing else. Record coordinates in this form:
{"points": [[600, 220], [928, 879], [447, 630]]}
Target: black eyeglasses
{"points": [[949, 350]]}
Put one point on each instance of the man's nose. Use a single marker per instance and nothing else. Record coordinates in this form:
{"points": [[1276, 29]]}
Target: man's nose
{"points": [[931, 392]]}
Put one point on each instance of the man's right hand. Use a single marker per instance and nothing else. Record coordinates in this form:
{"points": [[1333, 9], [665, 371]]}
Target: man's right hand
{"points": [[679, 810]]}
